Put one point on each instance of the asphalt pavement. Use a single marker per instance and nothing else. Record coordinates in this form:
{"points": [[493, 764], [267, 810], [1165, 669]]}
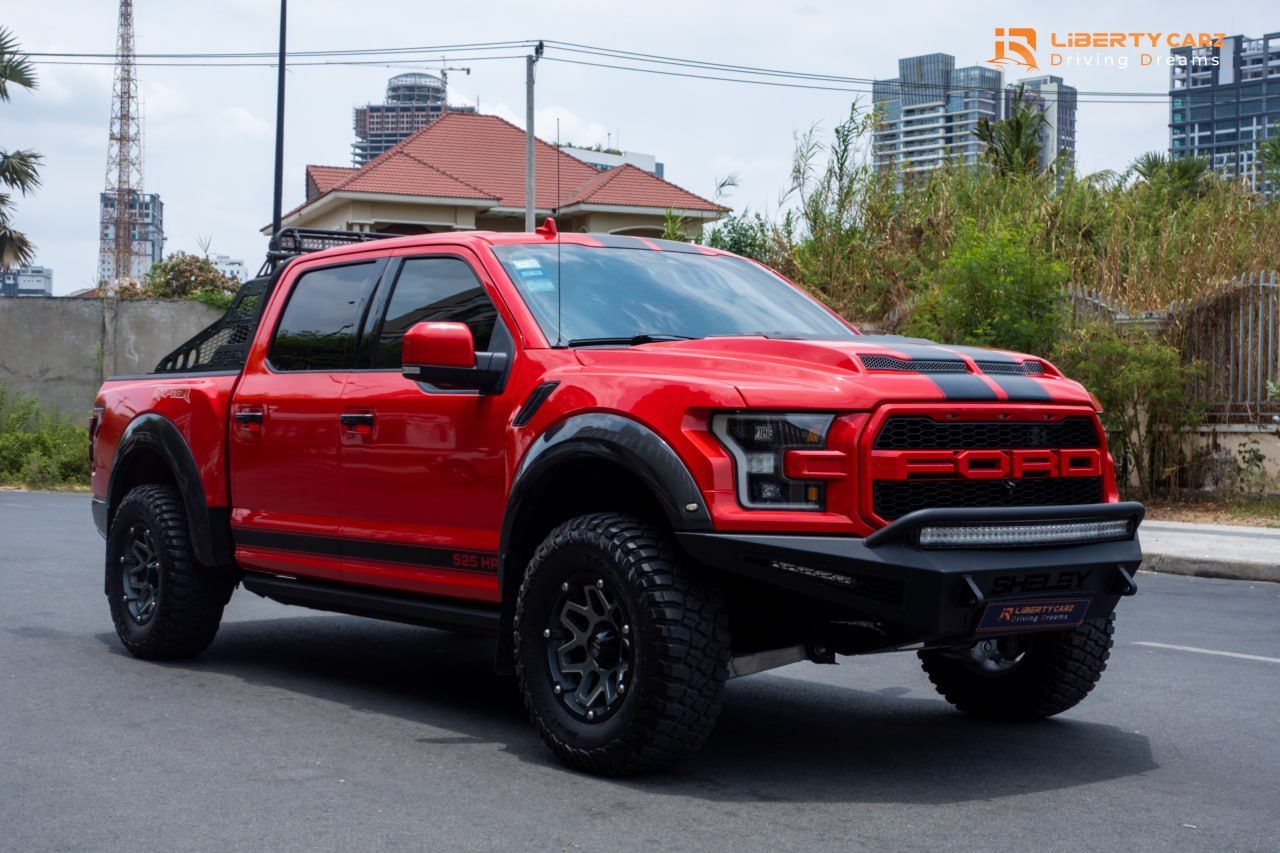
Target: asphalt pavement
{"points": [[301, 730]]}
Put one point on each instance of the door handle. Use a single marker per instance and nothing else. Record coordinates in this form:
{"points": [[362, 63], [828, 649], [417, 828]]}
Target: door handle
{"points": [[355, 420], [249, 417]]}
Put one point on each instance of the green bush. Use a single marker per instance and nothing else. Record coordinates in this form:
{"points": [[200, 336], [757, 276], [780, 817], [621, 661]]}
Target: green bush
{"points": [[995, 288], [1148, 406], [37, 448]]}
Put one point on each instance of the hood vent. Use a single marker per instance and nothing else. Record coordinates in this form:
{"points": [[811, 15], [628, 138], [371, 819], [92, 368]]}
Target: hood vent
{"points": [[888, 362], [1012, 368]]}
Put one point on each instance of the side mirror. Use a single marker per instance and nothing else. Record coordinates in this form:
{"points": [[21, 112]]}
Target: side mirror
{"points": [[444, 354]]}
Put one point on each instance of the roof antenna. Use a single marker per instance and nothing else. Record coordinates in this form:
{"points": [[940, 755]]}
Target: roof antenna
{"points": [[559, 279]]}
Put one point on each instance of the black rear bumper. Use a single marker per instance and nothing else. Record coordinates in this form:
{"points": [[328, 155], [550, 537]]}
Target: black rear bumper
{"points": [[936, 595]]}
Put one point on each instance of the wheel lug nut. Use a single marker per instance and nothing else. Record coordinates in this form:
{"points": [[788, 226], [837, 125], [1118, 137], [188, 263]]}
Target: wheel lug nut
{"points": [[626, 629], [591, 715], [600, 584], [556, 690], [546, 632], [564, 587], [622, 687]]}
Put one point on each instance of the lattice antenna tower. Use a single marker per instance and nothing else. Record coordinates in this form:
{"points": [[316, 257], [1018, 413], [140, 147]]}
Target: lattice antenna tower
{"points": [[124, 161]]}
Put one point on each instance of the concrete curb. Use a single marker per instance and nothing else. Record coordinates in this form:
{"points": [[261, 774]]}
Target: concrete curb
{"points": [[1203, 567]]}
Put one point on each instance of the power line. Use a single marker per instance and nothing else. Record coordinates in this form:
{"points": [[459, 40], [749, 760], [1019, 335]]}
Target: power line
{"points": [[575, 47], [808, 86], [423, 62], [377, 51], [720, 72]]}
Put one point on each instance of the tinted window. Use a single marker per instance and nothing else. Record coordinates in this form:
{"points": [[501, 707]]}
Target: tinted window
{"points": [[435, 289], [318, 329], [620, 293]]}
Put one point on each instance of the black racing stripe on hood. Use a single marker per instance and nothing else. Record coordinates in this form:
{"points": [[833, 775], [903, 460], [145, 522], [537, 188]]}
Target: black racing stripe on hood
{"points": [[962, 386], [1021, 389], [954, 386]]}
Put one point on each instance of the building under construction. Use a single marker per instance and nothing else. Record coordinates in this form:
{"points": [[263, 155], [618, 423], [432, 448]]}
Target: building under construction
{"points": [[145, 221], [413, 101]]}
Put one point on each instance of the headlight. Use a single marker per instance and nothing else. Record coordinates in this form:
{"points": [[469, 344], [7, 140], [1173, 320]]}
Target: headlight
{"points": [[758, 443]]}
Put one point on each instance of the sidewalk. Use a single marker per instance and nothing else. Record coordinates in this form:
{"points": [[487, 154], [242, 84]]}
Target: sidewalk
{"points": [[1211, 550]]}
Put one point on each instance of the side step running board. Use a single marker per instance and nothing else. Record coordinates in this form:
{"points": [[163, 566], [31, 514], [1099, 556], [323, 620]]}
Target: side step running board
{"points": [[375, 603]]}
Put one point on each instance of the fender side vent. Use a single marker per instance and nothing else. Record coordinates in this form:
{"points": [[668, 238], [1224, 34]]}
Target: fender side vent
{"points": [[537, 397]]}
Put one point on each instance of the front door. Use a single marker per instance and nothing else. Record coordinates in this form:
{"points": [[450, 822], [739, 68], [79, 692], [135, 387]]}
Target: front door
{"points": [[423, 468], [286, 428]]}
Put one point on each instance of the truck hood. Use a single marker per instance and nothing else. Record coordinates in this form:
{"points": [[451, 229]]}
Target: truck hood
{"points": [[858, 373]]}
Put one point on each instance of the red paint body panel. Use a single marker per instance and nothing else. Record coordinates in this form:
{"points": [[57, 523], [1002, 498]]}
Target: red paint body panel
{"points": [[431, 474]]}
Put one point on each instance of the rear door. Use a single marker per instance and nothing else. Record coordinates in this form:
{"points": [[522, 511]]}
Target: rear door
{"points": [[286, 427], [423, 475]]}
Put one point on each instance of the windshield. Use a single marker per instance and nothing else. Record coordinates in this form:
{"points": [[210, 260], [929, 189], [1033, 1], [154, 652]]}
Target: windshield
{"points": [[616, 295]]}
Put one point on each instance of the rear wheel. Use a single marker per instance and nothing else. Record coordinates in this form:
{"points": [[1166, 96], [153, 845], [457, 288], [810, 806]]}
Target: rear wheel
{"points": [[164, 605], [1027, 677], [621, 651]]}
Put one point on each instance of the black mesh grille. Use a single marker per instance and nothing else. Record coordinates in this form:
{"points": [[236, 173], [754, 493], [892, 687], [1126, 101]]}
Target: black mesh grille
{"points": [[894, 499], [1011, 368], [888, 362], [910, 432]]}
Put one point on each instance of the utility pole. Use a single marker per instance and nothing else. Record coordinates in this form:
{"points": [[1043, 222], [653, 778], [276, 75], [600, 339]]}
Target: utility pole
{"points": [[529, 186], [279, 187]]}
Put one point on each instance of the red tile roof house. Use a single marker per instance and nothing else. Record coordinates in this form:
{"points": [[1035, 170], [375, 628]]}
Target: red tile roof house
{"points": [[466, 171]]}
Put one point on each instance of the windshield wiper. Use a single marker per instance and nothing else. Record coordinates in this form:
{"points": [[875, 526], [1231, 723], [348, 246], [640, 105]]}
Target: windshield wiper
{"points": [[634, 340]]}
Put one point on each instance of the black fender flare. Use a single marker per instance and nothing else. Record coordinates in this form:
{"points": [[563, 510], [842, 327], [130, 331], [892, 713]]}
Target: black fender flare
{"points": [[154, 433], [611, 438]]}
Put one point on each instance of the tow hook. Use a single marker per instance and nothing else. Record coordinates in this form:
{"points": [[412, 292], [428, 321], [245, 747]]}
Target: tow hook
{"points": [[1127, 585]]}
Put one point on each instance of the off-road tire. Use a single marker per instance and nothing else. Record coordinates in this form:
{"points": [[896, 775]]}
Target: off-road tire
{"points": [[1057, 671], [189, 597], [681, 646]]}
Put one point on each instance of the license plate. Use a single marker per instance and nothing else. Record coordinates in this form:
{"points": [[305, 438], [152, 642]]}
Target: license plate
{"points": [[1021, 615]]}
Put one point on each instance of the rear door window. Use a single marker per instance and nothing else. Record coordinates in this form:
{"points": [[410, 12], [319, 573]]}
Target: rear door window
{"points": [[321, 321]]}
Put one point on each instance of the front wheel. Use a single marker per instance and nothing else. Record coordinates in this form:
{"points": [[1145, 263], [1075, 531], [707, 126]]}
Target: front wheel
{"points": [[1026, 677], [164, 604], [621, 651]]}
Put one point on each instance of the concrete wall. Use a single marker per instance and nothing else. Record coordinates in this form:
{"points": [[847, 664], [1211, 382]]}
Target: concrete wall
{"points": [[61, 349]]}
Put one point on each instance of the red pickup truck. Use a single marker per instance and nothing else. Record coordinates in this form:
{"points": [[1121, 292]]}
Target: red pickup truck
{"points": [[643, 466]]}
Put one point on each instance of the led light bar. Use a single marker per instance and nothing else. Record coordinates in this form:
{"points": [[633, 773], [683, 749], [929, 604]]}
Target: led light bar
{"points": [[1016, 535]]}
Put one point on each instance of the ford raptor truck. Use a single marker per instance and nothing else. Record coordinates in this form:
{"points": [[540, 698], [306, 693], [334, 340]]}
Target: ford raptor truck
{"points": [[643, 467]]}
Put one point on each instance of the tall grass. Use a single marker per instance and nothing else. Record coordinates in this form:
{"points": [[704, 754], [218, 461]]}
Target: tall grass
{"points": [[40, 449], [870, 242]]}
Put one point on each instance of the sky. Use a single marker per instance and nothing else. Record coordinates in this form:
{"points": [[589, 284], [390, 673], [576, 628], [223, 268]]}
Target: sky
{"points": [[209, 131]]}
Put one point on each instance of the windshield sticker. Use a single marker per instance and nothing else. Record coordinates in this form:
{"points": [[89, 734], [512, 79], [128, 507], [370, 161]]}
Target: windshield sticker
{"points": [[541, 284], [532, 276]]}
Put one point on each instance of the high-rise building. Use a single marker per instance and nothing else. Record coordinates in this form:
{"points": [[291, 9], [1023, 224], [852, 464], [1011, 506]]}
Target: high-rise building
{"points": [[928, 113], [1057, 101], [413, 101], [1224, 101], [147, 215], [26, 281]]}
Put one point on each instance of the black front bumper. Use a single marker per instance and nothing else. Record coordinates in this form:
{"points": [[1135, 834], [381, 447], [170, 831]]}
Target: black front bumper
{"points": [[936, 594]]}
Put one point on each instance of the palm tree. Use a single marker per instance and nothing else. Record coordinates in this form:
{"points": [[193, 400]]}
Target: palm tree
{"points": [[1012, 145], [19, 170], [1181, 176]]}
